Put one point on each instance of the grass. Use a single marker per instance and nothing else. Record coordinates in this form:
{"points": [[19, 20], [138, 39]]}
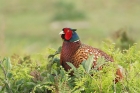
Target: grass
{"points": [[30, 23]]}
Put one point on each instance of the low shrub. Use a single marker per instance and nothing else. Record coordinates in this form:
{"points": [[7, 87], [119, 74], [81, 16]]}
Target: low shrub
{"points": [[41, 74]]}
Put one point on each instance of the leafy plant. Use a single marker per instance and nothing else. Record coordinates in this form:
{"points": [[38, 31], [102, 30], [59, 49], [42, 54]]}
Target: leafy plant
{"points": [[41, 74]]}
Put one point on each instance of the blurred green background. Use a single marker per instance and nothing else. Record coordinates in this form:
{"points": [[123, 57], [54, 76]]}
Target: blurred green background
{"points": [[30, 26]]}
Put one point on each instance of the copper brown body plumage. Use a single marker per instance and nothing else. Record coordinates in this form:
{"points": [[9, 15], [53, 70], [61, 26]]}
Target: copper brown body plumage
{"points": [[75, 52]]}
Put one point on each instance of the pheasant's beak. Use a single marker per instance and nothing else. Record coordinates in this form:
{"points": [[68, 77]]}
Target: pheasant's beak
{"points": [[61, 33]]}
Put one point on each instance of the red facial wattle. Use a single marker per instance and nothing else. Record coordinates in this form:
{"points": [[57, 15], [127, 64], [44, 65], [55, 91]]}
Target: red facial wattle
{"points": [[68, 33]]}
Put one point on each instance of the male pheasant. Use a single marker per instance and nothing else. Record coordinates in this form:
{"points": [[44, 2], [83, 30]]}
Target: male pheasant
{"points": [[75, 52]]}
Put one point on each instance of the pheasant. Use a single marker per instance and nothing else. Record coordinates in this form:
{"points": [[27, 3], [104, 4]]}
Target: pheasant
{"points": [[76, 52]]}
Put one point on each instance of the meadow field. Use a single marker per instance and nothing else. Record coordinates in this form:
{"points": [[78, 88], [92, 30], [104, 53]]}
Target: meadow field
{"points": [[29, 33], [30, 26]]}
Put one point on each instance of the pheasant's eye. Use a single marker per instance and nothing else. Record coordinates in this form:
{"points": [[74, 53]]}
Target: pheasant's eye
{"points": [[66, 30]]}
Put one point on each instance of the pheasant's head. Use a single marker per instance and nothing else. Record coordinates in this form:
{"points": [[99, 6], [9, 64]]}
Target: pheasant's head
{"points": [[69, 34]]}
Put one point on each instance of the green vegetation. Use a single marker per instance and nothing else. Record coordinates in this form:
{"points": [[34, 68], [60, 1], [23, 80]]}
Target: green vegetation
{"points": [[67, 11], [39, 74], [28, 28]]}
